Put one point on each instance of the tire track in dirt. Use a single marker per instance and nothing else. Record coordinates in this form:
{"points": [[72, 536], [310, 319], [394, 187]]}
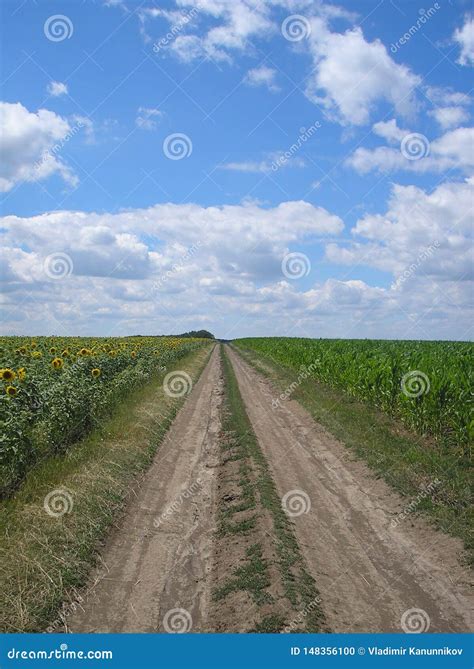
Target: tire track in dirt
{"points": [[159, 558], [368, 572]]}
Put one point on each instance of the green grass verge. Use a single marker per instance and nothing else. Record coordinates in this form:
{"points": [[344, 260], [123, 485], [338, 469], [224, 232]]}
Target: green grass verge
{"points": [[44, 559], [408, 462], [258, 488]]}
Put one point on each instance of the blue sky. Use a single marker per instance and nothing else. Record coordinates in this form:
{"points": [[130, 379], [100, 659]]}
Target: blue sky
{"points": [[164, 161]]}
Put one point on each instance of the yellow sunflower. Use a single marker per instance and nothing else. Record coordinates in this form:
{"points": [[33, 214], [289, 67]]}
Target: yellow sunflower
{"points": [[8, 374], [95, 372], [22, 374], [11, 391], [57, 363]]}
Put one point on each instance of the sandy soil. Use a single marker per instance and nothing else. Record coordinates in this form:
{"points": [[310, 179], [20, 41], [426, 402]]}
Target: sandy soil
{"points": [[155, 572], [369, 572]]}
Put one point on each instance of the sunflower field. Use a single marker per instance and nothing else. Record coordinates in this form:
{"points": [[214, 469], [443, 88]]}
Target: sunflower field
{"points": [[427, 384], [55, 389]]}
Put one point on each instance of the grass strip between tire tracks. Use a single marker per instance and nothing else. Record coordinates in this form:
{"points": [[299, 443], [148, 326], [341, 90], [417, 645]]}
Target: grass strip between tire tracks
{"points": [[299, 606]]}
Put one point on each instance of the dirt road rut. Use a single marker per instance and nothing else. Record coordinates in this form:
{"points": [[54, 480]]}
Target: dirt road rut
{"points": [[155, 568], [373, 576]]}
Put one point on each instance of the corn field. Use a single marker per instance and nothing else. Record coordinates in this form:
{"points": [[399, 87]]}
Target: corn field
{"points": [[428, 385]]}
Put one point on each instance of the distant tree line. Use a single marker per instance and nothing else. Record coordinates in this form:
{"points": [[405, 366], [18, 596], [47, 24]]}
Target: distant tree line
{"points": [[203, 334]]}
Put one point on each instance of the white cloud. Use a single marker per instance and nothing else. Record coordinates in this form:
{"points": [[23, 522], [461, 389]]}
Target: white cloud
{"points": [[188, 48], [272, 163], [57, 88], [389, 130], [147, 118], [85, 123], [225, 265], [30, 144], [247, 240], [449, 117], [115, 3], [131, 265], [234, 25], [453, 150], [465, 38], [456, 145], [443, 96], [424, 241], [352, 76], [415, 222], [252, 166], [347, 295], [262, 76], [231, 27]]}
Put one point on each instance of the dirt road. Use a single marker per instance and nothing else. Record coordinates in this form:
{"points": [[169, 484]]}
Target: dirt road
{"points": [[155, 573], [369, 573]]}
